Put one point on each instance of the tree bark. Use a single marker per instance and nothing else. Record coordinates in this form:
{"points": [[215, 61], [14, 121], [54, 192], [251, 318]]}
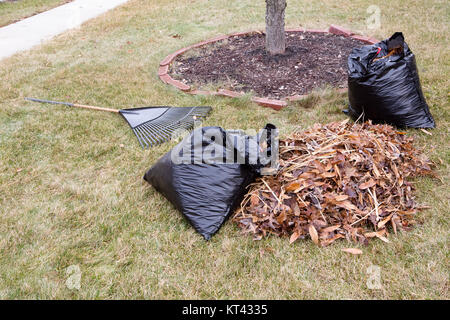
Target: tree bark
{"points": [[275, 37]]}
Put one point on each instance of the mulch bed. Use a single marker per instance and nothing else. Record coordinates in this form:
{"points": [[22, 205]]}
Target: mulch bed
{"points": [[312, 60]]}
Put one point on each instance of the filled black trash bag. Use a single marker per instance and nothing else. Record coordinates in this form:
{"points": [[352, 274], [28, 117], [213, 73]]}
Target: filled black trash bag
{"points": [[384, 86], [196, 179]]}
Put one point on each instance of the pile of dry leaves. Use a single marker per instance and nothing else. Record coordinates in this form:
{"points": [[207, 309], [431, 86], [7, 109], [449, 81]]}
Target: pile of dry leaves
{"points": [[338, 180]]}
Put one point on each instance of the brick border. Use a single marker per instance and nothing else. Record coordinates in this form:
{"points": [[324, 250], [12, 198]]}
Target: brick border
{"points": [[163, 71]]}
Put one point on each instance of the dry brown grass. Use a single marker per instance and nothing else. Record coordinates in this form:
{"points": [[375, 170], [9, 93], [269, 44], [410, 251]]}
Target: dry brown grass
{"points": [[13, 11], [70, 195]]}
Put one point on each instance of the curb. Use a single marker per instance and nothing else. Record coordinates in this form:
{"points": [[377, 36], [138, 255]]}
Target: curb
{"points": [[163, 71]]}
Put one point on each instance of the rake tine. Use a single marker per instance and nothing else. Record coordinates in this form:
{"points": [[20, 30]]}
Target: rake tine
{"points": [[189, 116], [185, 115], [171, 118], [168, 127], [139, 138], [146, 135], [173, 125], [144, 138], [201, 115], [155, 131], [135, 133], [160, 129], [161, 133], [171, 128], [200, 111], [158, 132], [150, 134], [186, 125], [189, 124]]}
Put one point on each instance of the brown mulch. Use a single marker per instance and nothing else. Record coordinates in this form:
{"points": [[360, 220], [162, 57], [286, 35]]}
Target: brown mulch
{"points": [[338, 180], [311, 60]]}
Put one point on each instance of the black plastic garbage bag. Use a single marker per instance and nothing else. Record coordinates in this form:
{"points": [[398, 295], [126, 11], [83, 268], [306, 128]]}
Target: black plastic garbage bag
{"points": [[384, 86], [206, 175]]}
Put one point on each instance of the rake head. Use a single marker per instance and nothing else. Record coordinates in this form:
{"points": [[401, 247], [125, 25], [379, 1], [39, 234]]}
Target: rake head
{"points": [[155, 125]]}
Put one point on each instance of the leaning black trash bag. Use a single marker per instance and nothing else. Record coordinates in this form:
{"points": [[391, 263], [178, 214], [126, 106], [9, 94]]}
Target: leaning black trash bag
{"points": [[206, 175], [384, 86]]}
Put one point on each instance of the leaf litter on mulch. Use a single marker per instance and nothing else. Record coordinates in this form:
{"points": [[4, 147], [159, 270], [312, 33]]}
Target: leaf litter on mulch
{"points": [[338, 180]]}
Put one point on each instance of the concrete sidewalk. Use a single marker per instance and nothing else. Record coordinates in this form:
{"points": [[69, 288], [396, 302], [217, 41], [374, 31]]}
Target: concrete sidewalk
{"points": [[25, 34]]}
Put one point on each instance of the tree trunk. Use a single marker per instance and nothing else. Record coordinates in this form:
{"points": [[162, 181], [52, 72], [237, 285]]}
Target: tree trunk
{"points": [[275, 38]]}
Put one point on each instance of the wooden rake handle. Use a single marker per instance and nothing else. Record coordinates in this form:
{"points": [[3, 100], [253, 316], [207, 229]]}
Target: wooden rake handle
{"points": [[74, 105]]}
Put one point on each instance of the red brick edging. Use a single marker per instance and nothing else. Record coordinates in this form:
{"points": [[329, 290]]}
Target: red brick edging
{"points": [[163, 71]]}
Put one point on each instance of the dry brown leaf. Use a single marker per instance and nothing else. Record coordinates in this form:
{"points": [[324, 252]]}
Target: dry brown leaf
{"points": [[341, 197], [328, 174], [395, 170], [331, 229], [378, 234], [281, 217], [383, 238], [354, 251], [384, 221], [368, 184], [313, 234], [376, 172], [296, 209], [394, 226], [293, 186], [427, 132], [327, 242], [347, 205], [336, 169], [254, 199], [370, 234], [294, 236]]}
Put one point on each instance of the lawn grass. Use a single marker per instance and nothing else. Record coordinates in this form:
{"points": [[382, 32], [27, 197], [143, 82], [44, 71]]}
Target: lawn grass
{"points": [[71, 188], [13, 11]]}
